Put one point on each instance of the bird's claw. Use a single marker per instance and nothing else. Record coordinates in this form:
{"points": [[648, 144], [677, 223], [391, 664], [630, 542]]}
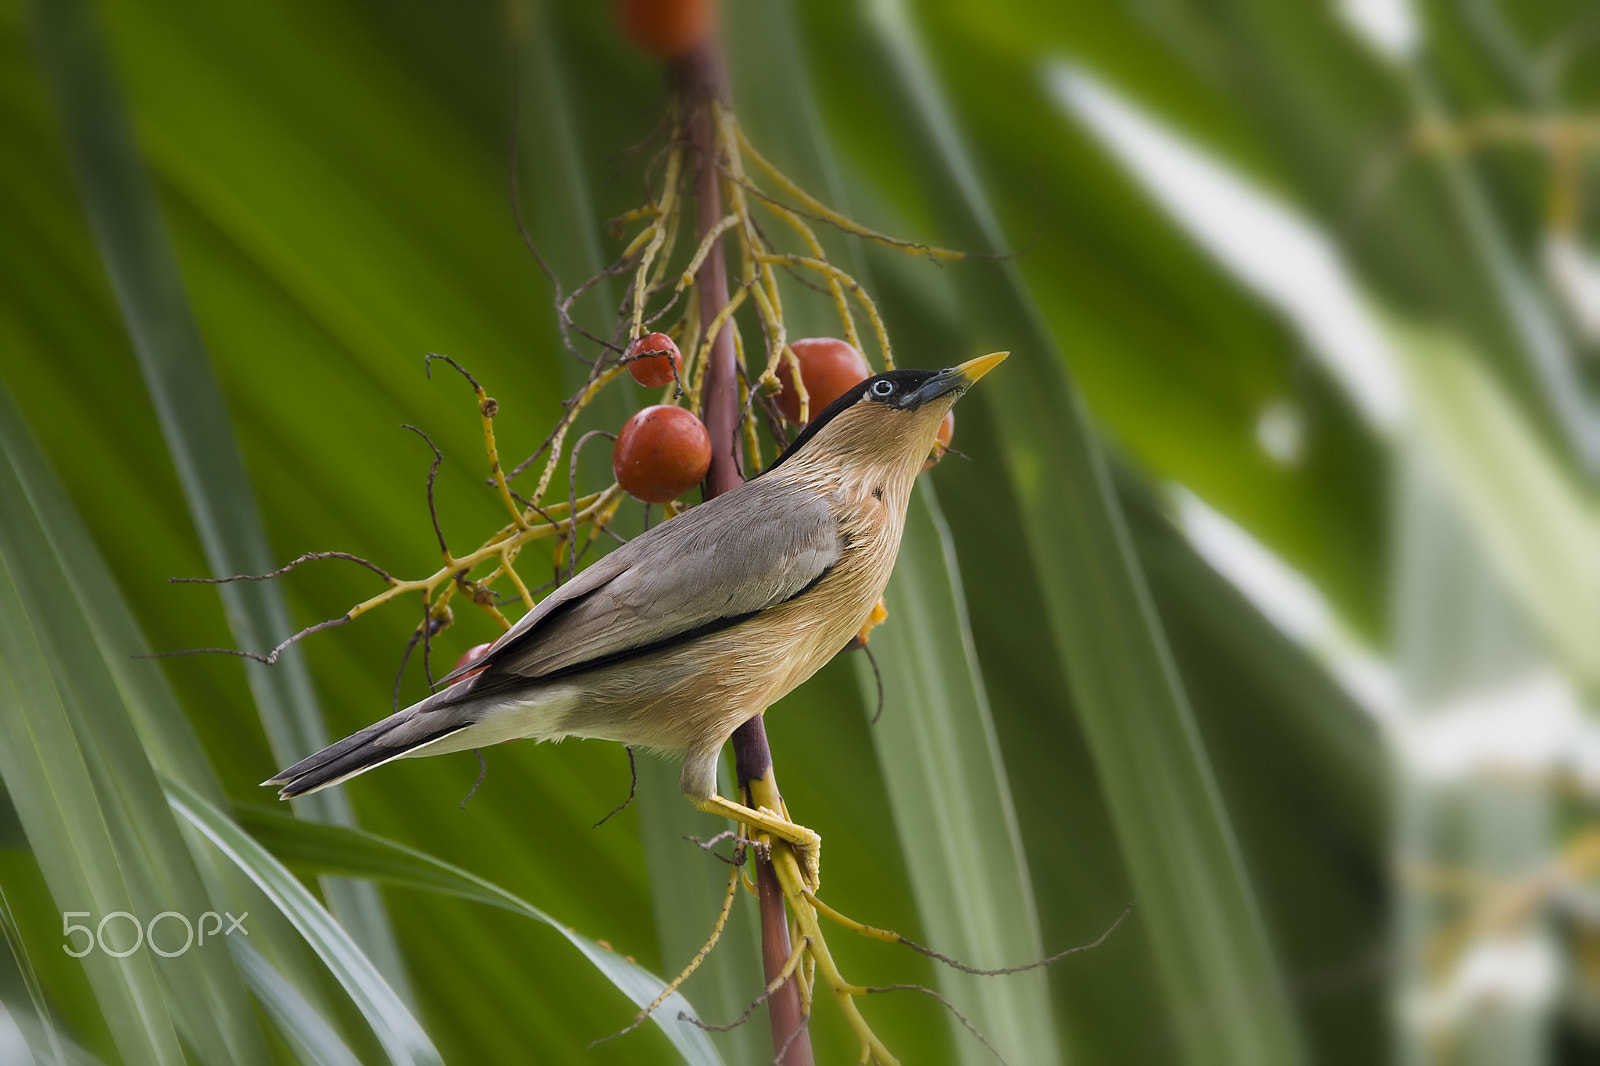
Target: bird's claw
{"points": [[764, 823], [807, 845], [810, 857]]}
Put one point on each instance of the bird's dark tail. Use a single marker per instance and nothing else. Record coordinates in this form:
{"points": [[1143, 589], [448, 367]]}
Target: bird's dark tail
{"points": [[398, 735]]}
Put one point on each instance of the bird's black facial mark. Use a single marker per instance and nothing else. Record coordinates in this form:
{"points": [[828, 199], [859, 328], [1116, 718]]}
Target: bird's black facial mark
{"points": [[906, 389], [897, 388]]}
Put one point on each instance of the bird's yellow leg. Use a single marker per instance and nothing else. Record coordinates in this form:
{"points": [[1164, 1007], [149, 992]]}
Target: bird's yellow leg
{"points": [[767, 820]]}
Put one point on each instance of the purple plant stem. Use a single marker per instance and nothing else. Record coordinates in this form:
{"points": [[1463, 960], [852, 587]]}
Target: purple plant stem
{"points": [[702, 78]]}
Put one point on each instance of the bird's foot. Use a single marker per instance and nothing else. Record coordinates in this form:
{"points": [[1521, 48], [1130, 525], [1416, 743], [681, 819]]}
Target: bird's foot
{"points": [[807, 843]]}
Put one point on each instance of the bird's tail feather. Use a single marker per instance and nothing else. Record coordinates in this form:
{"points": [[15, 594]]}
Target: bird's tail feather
{"points": [[396, 736]]}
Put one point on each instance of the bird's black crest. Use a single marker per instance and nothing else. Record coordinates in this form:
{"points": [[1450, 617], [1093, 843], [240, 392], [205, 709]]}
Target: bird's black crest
{"points": [[902, 384]]}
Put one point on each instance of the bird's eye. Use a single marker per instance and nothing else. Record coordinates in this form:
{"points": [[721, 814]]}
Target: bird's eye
{"points": [[882, 388]]}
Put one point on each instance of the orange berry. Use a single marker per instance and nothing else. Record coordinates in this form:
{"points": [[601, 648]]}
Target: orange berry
{"points": [[654, 371], [474, 652], [661, 453], [665, 28], [828, 367], [941, 442]]}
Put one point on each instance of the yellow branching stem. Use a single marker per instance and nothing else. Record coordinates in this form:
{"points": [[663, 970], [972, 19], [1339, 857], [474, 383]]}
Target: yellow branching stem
{"points": [[689, 345], [673, 219], [616, 225], [799, 384], [598, 506], [828, 270], [759, 277], [752, 439], [752, 459], [770, 319], [488, 407], [579, 402], [663, 223], [694, 963], [713, 234], [847, 321], [1564, 140], [1497, 908], [718, 324], [508, 556], [827, 214], [1506, 128], [645, 236], [844, 993]]}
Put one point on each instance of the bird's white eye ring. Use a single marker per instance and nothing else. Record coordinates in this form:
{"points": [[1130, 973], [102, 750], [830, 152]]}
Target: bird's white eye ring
{"points": [[882, 388]]}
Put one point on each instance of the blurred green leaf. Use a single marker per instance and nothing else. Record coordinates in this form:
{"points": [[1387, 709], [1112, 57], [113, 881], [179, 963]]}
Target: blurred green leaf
{"points": [[402, 1038], [1536, 521], [47, 1039], [61, 811], [1306, 777], [108, 628], [314, 1041], [952, 803], [39, 1046], [11, 834], [1527, 504], [151, 867], [1550, 361], [139, 258], [321, 848], [1193, 891], [108, 625]]}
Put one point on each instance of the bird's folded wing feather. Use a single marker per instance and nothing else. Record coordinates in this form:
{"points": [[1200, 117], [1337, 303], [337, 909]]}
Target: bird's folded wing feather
{"points": [[747, 550]]}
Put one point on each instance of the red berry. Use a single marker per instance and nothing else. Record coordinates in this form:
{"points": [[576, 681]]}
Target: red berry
{"points": [[474, 652], [665, 28], [828, 366], [941, 442], [661, 453], [658, 370]]}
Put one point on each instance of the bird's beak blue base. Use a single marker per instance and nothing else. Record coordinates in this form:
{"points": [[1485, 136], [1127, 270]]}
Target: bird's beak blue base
{"points": [[955, 378]]}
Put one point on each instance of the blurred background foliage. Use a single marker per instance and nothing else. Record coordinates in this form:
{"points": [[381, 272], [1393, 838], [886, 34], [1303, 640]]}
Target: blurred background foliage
{"points": [[1340, 383]]}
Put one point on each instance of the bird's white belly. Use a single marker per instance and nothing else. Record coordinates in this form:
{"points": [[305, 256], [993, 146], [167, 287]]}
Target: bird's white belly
{"points": [[533, 715]]}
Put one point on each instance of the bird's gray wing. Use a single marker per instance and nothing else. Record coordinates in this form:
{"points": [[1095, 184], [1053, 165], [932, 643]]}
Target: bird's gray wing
{"points": [[580, 586], [747, 550]]}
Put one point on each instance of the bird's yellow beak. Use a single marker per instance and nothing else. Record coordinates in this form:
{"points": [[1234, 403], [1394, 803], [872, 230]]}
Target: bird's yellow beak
{"points": [[973, 369], [953, 379]]}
